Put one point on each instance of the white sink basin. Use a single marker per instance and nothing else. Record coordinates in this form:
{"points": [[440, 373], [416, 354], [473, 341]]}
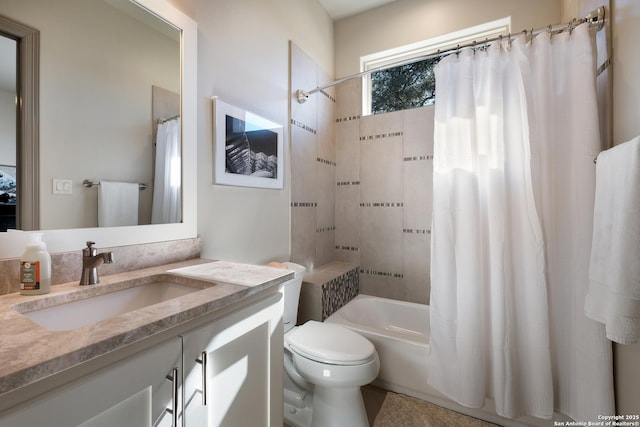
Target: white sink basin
{"points": [[75, 314]]}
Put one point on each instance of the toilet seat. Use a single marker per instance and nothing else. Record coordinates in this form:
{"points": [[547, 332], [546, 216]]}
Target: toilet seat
{"points": [[330, 344]]}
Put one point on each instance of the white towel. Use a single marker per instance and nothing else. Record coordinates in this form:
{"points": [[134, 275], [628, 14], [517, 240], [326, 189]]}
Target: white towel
{"points": [[614, 272], [117, 204]]}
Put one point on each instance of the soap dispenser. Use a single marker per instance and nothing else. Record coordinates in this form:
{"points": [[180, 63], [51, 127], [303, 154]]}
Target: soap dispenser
{"points": [[35, 267]]}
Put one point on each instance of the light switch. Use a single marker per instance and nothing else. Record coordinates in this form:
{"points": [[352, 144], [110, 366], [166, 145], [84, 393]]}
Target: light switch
{"points": [[62, 186]]}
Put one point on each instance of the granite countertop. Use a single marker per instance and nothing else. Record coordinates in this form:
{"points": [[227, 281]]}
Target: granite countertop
{"points": [[29, 352]]}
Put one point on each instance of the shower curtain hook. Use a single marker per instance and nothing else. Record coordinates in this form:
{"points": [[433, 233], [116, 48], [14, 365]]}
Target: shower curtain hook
{"points": [[509, 41]]}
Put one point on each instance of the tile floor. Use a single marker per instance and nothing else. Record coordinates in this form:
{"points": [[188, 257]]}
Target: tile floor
{"points": [[373, 398]]}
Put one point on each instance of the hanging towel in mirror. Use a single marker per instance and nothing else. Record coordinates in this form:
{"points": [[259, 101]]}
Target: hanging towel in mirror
{"points": [[117, 204], [614, 271]]}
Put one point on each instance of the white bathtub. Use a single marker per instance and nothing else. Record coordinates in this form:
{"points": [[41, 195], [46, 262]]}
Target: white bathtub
{"points": [[400, 332]]}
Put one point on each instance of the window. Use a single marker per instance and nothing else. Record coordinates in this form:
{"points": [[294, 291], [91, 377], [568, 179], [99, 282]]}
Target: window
{"points": [[413, 84]]}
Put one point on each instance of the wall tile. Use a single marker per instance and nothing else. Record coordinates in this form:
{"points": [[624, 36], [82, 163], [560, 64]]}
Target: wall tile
{"points": [[382, 286], [339, 291], [418, 191], [348, 151], [381, 239], [326, 120], [348, 255], [347, 218], [303, 236], [313, 165], [304, 163], [418, 131], [325, 247], [416, 266], [349, 99], [381, 170], [326, 196], [303, 76], [386, 123]]}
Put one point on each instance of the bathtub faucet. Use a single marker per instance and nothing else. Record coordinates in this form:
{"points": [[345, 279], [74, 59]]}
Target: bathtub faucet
{"points": [[91, 260]]}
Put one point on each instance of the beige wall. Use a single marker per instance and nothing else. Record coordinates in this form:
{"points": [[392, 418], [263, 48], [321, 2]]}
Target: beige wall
{"points": [[624, 31], [626, 104], [243, 57], [407, 21]]}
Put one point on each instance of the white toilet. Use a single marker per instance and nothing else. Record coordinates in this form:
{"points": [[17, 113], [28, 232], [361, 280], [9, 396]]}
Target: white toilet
{"points": [[325, 366]]}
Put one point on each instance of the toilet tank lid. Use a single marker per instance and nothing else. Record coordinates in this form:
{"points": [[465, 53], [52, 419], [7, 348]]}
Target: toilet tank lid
{"points": [[330, 343], [297, 268]]}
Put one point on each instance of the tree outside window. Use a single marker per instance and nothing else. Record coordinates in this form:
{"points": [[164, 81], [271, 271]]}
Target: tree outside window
{"points": [[403, 87]]}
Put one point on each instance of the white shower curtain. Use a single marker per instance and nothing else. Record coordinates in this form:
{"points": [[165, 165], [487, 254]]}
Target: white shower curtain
{"points": [[503, 265], [565, 139], [167, 206]]}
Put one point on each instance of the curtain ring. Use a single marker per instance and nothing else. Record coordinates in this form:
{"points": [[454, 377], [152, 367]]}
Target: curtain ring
{"points": [[549, 29]]}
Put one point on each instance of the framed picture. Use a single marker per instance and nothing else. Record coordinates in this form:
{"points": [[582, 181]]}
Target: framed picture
{"points": [[248, 149]]}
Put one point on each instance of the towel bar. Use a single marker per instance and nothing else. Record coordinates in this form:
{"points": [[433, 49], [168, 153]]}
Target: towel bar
{"points": [[88, 183]]}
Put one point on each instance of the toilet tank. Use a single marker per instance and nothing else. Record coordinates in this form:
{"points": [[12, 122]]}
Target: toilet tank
{"points": [[291, 291]]}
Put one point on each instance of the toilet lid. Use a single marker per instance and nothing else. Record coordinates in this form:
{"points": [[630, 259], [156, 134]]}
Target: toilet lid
{"points": [[330, 343]]}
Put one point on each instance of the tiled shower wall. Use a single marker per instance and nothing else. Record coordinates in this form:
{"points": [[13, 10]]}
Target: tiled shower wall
{"points": [[360, 186], [383, 195], [313, 166]]}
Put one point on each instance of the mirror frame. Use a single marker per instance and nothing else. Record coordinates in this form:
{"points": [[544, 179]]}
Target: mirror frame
{"points": [[12, 243], [28, 120]]}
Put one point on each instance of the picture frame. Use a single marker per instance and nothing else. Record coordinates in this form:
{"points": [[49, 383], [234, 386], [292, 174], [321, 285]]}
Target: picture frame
{"points": [[248, 149]]}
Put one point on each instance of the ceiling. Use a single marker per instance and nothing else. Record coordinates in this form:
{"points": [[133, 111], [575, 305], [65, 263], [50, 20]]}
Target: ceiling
{"points": [[339, 9]]}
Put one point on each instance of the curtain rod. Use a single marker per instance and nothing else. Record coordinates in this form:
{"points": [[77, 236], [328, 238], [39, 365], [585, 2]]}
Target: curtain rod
{"points": [[595, 18]]}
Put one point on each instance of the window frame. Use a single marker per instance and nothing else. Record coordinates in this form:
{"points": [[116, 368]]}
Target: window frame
{"points": [[403, 54]]}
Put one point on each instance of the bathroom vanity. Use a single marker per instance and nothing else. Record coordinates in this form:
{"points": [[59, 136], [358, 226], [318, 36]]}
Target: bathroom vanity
{"points": [[202, 356]]}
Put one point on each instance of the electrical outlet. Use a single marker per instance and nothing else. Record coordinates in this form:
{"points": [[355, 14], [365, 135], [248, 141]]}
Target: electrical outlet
{"points": [[62, 186]]}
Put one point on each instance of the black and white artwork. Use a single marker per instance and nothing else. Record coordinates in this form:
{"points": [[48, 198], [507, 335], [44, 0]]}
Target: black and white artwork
{"points": [[248, 148]]}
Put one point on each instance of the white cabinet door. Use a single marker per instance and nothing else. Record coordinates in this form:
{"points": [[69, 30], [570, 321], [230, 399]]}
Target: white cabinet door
{"points": [[133, 393], [233, 369]]}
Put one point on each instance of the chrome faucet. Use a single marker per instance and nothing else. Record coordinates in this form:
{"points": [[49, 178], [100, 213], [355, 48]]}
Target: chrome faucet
{"points": [[91, 259]]}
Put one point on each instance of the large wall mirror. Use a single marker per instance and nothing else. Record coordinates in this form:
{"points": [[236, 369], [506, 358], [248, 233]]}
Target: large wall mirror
{"points": [[113, 95]]}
